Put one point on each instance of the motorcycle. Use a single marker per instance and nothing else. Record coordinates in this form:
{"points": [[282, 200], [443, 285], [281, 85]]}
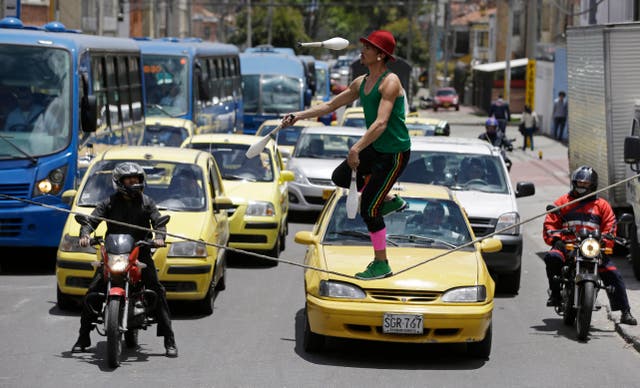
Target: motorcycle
{"points": [[579, 280], [501, 142], [126, 305]]}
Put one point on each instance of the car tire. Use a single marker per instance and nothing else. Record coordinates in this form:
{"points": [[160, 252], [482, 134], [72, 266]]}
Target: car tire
{"points": [[457, 107], [205, 306], [510, 283], [221, 284], [481, 349], [311, 342], [64, 301], [273, 252]]}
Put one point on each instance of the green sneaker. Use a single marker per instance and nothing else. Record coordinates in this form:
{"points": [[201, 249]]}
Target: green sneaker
{"points": [[377, 269], [397, 204]]}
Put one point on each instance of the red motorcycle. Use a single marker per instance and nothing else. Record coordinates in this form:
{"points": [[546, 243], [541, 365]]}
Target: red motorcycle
{"points": [[126, 305]]}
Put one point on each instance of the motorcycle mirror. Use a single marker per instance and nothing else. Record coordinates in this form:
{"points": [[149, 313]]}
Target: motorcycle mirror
{"points": [[162, 221], [626, 219]]}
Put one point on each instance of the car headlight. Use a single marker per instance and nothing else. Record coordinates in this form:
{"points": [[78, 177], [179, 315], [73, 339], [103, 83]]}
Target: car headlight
{"points": [[465, 294], [333, 289], [260, 208], [52, 183], [118, 263], [187, 249], [590, 248], [70, 244], [506, 220], [299, 175]]}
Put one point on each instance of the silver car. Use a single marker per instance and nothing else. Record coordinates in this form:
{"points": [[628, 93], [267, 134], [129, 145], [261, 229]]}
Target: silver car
{"points": [[476, 173], [318, 152]]}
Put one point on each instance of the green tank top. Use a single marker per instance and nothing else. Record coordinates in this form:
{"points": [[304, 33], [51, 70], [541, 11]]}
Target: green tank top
{"points": [[395, 138]]}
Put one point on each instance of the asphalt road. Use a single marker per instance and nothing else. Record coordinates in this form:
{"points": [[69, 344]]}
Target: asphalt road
{"points": [[254, 337]]}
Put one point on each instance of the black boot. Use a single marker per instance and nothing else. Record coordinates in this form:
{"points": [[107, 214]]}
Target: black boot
{"points": [[83, 342], [627, 318], [170, 346], [553, 301]]}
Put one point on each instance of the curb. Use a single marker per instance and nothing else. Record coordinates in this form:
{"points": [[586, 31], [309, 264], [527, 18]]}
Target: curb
{"points": [[621, 329]]}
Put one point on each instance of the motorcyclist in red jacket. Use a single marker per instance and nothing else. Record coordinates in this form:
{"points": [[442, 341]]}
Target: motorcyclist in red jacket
{"points": [[592, 212]]}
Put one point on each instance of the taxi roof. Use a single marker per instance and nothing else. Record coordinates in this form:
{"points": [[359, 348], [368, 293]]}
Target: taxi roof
{"points": [[334, 130], [168, 154], [416, 190]]}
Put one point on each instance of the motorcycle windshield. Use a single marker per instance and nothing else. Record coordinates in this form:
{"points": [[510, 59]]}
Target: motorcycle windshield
{"points": [[119, 243]]}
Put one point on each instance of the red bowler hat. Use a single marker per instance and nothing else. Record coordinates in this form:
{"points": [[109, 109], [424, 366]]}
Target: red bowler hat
{"points": [[383, 40]]}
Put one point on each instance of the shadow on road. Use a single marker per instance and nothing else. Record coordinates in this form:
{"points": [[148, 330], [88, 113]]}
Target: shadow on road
{"points": [[96, 355], [375, 355], [557, 328]]}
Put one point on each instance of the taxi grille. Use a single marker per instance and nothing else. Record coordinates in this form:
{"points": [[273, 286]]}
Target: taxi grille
{"points": [[482, 226], [321, 182], [409, 296]]}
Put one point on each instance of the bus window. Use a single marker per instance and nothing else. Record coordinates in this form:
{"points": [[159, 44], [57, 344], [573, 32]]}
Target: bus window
{"points": [[280, 94], [113, 96], [123, 82], [99, 90], [251, 92], [135, 84]]}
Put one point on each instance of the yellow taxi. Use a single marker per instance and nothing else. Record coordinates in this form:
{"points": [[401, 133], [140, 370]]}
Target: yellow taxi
{"points": [[166, 131], [424, 126], [258, 188], [444, 296], [186, 185], [352, 117], [287, 137]]}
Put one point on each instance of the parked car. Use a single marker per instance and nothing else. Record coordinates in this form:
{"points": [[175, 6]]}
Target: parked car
{"points": [[257, 187], [287, 137], [446, 98], [424, 126], [448, 299], [318, 152], [166, 131], [476, 173], [186, 185], [352, 117]]}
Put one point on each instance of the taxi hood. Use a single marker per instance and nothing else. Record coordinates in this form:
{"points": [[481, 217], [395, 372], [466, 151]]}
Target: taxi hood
{"points": [[486, 205]]}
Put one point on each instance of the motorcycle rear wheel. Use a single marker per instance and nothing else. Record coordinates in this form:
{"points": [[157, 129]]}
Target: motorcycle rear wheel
{"points": [[586, 298], [114, 335]]}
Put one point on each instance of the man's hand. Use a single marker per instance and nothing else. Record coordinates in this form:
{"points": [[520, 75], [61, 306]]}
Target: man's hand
{"points": [[159, 242], [84, 241], [559, 245], [289, 120], [353, 159]]}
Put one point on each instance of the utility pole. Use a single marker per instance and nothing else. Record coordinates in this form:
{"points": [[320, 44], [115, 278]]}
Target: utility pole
{"points": [[447, 17], [269, 22], [507, 55], [249, 31], [433, 51], [532, 29]]}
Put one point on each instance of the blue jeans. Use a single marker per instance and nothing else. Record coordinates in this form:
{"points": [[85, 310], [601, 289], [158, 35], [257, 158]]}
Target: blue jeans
{"points": [[558, 127], [528, 134]]}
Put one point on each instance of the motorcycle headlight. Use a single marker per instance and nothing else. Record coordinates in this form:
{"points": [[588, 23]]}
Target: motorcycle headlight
{"points": [[465, 294], [187, 249], [506, 220], [260, 208], [70, 244], [332, 289], [118, 263], [590, 248]]}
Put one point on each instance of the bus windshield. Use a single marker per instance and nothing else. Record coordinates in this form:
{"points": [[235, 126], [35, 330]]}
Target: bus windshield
{"points": [[35, 101], [166, 86], [271, 94]]}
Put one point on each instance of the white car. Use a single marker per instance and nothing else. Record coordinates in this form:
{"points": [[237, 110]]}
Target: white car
{"points": [[317, 153], [474, 170]]}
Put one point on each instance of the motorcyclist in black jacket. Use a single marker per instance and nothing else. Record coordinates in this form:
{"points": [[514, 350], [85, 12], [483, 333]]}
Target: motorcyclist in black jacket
{"points": [[129, 205], [496, 137]]}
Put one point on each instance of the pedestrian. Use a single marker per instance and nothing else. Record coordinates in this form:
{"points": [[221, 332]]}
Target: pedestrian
{"points": [[382, 153], [130, 205], [530, 122], [588, 213], [500, 111], [559, 116]]}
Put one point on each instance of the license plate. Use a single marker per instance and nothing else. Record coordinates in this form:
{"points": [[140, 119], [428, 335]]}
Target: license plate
{"points": [[402, 324], [446, 104]]}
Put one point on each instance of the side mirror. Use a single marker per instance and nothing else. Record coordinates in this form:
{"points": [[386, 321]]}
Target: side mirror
{"points": [[304, 237], [68, 196], [223, 203], [632, 150], [89, 113], [286, 176], [525, 189], [490, 245], [626, 219]]}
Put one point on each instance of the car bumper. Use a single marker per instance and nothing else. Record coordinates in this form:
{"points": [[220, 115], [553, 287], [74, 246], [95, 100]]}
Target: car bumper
{"points": [[253, 233], [509, 258], [445, 324], [31, 226], [307, 197]]}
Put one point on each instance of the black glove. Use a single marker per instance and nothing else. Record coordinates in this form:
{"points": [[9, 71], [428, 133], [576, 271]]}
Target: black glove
{"points": [[559, 245]]}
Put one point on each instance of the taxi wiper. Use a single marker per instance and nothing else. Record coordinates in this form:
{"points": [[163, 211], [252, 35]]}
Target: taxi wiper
{"points": [[237, 178], [362, 236], [23, 152], [419, 238], [161, 109]]}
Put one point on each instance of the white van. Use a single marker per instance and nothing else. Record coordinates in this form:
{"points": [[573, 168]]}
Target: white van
{"points": [[474, 170]]}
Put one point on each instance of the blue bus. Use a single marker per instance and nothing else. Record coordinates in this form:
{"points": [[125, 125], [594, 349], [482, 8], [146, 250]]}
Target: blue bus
{"points": [[323, 90], [272, 85], [194, 80], [60, 92]]}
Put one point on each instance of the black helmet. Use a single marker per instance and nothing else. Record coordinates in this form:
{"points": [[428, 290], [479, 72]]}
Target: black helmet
{"points": [[124, 170], [583, 174]]}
